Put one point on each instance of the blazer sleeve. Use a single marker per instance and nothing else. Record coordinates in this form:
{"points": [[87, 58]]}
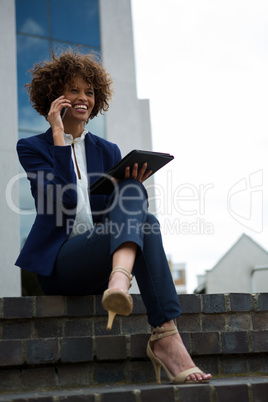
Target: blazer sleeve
{"points": [[51, 174]]}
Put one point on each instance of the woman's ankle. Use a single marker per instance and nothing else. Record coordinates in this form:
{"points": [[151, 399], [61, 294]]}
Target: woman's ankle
{"points": [[168, 324], [119, 281]]}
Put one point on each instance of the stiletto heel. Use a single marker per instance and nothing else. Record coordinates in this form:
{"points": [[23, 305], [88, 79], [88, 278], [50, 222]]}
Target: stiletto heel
{"points": [[111, 315], [115, 301], [160, 333], [157, 369]]}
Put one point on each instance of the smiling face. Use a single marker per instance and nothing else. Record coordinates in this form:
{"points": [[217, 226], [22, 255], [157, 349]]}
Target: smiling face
{"points": [[82, 97]]}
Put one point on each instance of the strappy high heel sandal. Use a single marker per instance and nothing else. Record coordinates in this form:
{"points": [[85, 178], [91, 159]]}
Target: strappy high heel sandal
{"points": [[159, 333], [115, 301]]}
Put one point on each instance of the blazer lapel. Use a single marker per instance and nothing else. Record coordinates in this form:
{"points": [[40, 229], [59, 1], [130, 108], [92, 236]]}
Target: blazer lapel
{"points": [[93, 155], [94, 159]]}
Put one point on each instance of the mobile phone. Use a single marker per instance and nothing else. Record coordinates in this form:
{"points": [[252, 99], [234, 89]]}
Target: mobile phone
{"points": [[63, 112]]}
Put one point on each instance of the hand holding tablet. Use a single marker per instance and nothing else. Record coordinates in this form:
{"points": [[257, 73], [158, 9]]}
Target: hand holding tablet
{"points": [[154, 160]]}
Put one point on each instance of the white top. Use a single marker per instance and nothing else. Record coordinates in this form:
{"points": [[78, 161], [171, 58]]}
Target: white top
{"points": [[83, 219]]}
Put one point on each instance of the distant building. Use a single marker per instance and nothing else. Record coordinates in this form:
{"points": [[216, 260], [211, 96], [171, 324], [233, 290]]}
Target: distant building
{"points": [[243, 269], [178, 272], [201, 284]]}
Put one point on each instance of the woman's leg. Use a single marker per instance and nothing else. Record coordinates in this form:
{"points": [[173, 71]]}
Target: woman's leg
{"points": [[82, 267], [124, 256], [158, 292]]}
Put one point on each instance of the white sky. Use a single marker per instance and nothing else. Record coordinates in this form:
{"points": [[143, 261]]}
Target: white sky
{"points": [[204, 66]]}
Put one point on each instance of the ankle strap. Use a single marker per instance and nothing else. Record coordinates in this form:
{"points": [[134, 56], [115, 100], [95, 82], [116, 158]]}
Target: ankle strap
{"points": [[162, 332], [123, 270]]}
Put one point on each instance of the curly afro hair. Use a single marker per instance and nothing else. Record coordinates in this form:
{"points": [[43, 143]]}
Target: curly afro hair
{"points": [[50, 78]]}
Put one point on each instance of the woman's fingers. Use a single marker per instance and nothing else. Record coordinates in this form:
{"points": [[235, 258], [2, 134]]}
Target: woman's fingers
{"points": [[135, 171], [127, 172], [142, 172], [140, 175], [146, 175], [57, 105], [54, 115]]}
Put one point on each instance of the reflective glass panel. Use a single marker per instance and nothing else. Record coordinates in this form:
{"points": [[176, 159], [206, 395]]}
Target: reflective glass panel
{"points": [[32, 17], [76, 21], [30, 50], [61, 46]]}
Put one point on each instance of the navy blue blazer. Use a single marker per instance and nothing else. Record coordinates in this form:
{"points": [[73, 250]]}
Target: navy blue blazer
{"points": [[51, 173]]}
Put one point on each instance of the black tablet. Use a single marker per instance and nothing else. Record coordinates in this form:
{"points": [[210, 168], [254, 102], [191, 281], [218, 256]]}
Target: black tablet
{"points": [[154, 160]]}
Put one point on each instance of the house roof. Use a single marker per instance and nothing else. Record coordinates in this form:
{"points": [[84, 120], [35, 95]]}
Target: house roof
{"points": [[243, 238]]}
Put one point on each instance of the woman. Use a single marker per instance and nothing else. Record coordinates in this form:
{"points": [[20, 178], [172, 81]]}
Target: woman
{"points": [[82, 244]]}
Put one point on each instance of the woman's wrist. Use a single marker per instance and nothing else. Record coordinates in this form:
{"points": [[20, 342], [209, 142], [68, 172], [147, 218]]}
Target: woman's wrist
{"points": [[58, 137]]}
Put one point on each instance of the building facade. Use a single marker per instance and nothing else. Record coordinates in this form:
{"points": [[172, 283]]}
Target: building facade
{"points": [[30, 29], [242, 269], [178, 271]]}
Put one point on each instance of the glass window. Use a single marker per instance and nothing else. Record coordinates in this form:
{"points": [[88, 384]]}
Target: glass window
{"points": [[32, 17], [177, 274], [56, 45], [76, 22], [30, 50]]}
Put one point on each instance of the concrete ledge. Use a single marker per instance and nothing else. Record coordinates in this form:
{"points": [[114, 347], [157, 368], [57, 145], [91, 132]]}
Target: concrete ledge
{"points": [[60, 306], [235, 389]]}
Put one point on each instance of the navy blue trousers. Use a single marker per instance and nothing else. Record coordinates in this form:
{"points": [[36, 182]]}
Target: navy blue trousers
{"points": [[84, 262]]}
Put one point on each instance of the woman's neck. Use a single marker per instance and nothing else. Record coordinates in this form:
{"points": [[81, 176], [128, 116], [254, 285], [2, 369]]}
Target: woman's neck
{"points": [[75, 129]]}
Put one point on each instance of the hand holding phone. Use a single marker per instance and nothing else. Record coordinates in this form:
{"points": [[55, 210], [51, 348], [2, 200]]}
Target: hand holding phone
{"points": [[56, 114]]}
